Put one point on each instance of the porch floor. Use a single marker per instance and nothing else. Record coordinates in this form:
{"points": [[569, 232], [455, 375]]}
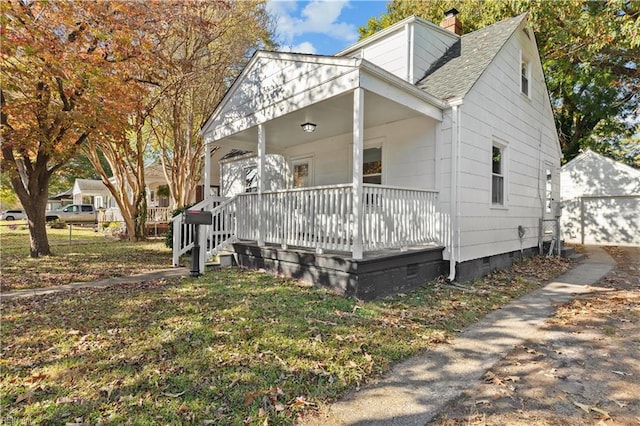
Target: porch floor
{"points": [[380, 273]]}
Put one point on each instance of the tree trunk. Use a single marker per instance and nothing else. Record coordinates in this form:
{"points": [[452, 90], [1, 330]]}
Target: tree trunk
{"points": [[140, 217], [38, 239], [35, 206]]}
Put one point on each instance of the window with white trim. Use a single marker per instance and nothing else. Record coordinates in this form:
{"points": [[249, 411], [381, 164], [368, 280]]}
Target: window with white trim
{"points": [[302, 172], [549, 188], [251, 179], [497, 175], [372, 165], [525, 75]]}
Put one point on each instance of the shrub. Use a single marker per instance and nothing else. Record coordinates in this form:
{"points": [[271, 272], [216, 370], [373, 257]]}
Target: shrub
{"points": [[58, 224]]}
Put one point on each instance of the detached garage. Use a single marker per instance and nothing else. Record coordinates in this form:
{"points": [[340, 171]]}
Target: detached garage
{"points": [[601, 199]]}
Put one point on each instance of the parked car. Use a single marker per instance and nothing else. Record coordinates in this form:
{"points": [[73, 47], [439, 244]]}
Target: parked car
{"points": [[13, 215], [73, 213]]}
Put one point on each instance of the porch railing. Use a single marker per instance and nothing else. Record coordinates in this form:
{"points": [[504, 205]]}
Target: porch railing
{"points": [[159, 214], [183, 234], [399, 217], [320, 218]]}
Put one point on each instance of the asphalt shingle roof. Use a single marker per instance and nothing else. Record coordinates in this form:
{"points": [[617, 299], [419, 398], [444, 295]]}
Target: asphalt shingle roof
{"points": [[453, 75]]}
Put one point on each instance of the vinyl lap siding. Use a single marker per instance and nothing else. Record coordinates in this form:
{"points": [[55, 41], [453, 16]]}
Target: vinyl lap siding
{"points": [[271, 81], [408, 154], [430, 44], [496, 110], [390, 54]]}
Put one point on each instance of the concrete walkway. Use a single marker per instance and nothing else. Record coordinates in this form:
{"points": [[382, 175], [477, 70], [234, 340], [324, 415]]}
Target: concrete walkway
{"points": [[414, 391], [154, 275]]}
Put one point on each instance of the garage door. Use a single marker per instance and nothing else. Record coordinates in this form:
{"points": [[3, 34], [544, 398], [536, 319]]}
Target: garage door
{"points": [[611, 220]]}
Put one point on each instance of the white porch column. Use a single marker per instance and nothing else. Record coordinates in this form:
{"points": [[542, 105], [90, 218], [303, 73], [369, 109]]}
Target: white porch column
{"points": [[206, 190], [202, 236], [358, 137], [261, 174]]}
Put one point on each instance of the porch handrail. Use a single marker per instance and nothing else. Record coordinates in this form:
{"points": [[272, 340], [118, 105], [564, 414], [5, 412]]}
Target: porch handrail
{"points": [[320, 218], [399, 217], [158, 214], [183, 234]]}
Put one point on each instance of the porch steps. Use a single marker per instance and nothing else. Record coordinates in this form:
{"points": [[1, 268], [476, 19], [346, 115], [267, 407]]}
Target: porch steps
{"points": [[223, 259], [379, 274]]}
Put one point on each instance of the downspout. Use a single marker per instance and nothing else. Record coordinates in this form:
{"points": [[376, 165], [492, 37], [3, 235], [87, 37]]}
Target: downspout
{"points": [[454, 231], [541, 197]]}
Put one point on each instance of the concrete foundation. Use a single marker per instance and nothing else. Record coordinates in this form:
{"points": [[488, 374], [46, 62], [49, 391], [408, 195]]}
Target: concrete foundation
{"points": [[379, 274]]}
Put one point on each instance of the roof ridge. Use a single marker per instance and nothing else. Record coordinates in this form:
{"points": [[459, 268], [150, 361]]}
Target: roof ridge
{"points": [[454, 74]]}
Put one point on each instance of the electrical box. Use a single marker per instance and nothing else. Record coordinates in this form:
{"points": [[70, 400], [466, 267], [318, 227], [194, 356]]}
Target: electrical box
{"points": [[198, 217]]}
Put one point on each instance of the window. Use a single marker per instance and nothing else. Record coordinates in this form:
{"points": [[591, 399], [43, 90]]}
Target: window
{"points": [[251, 179], [497, 175], [87, 208], [524, 75], [372, 165], [302, 172], [549, 189]]}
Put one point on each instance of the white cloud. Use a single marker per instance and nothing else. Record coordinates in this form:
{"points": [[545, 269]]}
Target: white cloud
{"points": [[304, 47], [317, 16]]}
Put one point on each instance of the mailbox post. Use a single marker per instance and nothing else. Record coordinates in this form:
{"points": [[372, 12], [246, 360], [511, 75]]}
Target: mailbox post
{"points": [[197, 218]]}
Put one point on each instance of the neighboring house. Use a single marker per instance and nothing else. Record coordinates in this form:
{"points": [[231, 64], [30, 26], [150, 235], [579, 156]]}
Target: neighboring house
{"points": [[60, 200], [413, 153], [90, 191], [601, 201]]}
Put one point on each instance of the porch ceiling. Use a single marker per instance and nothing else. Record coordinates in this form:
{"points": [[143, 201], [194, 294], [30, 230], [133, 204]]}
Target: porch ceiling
{"points": [[333, 117]]}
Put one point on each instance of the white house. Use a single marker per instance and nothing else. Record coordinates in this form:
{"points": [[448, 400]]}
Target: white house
{"points": [[601, 200], [90, 191], [93, 191], [413, 153]]}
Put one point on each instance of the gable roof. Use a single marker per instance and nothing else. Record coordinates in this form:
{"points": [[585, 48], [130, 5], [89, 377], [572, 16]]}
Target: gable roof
{"points": [[589, 155], [593, 174], [89, 185], [455, 73]]}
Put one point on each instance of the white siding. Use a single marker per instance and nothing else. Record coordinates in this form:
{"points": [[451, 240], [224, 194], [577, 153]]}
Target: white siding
{"points": [[274, 87], [429, 45], [331, 159], [594, 174], [233, 174], [495, 110], [408, 158], [389, 53], [601, 200], [410, 50], [408, 154]]}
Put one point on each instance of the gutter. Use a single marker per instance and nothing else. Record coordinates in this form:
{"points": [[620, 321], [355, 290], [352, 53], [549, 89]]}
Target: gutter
{"points": [[386, 76]]}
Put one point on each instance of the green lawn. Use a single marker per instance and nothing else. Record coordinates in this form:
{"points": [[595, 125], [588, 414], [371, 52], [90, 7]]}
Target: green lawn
{"points": [[79, 254], [231, 347]]}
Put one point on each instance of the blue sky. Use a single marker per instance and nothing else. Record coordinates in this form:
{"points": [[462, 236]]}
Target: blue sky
{"points": [[322, 27]]}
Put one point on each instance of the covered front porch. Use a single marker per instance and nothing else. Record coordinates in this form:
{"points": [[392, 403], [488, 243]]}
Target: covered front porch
{"points": [[338, 156]]}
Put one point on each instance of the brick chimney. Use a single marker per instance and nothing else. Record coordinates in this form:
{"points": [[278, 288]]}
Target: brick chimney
{"points": [[451, 21]]}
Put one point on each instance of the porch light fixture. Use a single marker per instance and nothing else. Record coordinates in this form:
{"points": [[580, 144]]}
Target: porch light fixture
{"points": [[308, 127]]}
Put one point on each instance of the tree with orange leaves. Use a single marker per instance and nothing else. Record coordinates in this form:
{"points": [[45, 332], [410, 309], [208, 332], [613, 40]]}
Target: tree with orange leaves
{"points": [[64, 68]]}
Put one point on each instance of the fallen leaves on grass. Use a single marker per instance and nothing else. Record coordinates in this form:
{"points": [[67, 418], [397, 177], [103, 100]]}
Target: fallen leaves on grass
{"points": [[91, 258], [231, 347]]}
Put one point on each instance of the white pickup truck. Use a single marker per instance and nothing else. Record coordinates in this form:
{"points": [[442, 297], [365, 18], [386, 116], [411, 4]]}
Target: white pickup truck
{"points": [[73, 213]]}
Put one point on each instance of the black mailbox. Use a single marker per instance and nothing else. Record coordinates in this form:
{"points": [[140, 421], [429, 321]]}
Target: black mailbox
{"points": [[198, 217]]}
